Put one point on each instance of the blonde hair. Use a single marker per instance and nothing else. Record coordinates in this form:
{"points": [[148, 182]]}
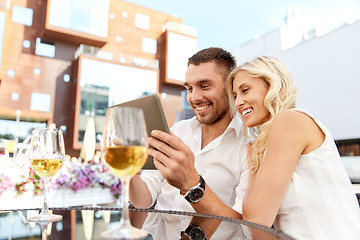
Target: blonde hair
{"points": [[281, 95]]}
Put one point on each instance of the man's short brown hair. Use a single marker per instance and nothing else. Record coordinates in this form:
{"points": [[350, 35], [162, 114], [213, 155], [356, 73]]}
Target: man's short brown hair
{"points": [[224, 59]]}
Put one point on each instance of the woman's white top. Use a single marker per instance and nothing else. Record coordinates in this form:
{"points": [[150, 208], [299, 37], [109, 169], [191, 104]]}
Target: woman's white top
{"points": [[320, 202]]}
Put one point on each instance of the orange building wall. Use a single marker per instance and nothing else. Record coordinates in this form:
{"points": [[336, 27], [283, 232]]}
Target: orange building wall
{"points": [[24, 60]]}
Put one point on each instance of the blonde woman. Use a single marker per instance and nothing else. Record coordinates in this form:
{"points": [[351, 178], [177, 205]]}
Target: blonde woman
{"points": [[297, 181]]}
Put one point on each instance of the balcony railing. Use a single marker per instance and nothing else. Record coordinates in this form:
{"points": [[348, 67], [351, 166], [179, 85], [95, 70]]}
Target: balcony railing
{"points": [[180, 28], [117, 57]]}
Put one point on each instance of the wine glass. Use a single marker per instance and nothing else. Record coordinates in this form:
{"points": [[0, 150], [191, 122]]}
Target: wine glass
{"points": [[124, 150], [47, 154], [44, 229]]}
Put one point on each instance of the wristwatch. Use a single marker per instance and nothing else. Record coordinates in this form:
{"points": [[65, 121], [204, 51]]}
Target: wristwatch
{"points": [[196, 193], [193, 232]]}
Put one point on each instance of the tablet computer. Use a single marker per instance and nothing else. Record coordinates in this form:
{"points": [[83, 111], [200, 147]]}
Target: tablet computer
{"points": [[154, 117]]}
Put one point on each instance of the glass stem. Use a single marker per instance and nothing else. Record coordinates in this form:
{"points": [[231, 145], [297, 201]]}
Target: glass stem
{"points": [[43, 230], [125, 221], [45, 209]]}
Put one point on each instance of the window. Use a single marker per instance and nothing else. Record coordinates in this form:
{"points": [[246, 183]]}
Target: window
{"points": [[11, 73], [26, 44], [15, 96], [9, 127], [44, 48], [22, 15], [179, 48], [66, 78], [114, 78], [94, 100], [149, 45], [90, 17], [142, 21], [140, 62], [102, 85], [63, 128], [40, 102], [119, 38], [37, 71], [105, 55], [186, 112]]}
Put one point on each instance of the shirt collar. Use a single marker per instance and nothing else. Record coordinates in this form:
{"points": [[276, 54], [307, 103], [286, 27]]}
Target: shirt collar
{"points": [[235, 124], [194, 123]]}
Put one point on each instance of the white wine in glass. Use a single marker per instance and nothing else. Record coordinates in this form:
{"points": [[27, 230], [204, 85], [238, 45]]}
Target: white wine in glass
{"points": [[47, 154], [124, 149]]}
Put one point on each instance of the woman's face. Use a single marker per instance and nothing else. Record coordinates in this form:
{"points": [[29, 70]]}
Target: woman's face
{"points": [[249, 93]]}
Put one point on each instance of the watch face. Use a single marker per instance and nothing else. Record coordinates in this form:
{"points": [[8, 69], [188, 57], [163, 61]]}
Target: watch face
{"points": [[196, 233], [196, 194]]}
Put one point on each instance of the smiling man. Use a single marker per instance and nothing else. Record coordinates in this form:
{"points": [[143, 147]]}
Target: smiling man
{"points": [[203, 166]]}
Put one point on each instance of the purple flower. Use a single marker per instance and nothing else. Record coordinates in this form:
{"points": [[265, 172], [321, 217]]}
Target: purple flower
{"points": [[79, 175]]}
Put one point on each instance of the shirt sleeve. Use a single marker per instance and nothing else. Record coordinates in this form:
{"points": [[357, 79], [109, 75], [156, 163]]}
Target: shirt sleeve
{"points": [[153, 180], [244, 176]]}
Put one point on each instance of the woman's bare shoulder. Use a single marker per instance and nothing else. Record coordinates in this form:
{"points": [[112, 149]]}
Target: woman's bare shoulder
{"points": [[295, 124], [293, 118], [293, 129]]}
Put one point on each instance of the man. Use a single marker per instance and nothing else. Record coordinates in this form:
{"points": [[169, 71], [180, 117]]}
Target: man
{"points": [[203, 166]]}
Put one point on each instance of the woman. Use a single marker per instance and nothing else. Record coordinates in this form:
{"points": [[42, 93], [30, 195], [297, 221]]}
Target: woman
{"points": [[297, 181]]}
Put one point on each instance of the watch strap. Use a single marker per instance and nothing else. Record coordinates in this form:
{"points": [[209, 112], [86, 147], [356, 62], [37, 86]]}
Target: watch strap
{"points": [[193, 232], [200, 185]]}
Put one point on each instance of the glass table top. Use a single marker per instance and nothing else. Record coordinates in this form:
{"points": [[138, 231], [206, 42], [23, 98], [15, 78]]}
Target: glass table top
{"points": [[88, 222]]}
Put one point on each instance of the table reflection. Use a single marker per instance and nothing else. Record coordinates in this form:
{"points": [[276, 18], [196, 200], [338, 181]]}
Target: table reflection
{"points": [[89, 222]]}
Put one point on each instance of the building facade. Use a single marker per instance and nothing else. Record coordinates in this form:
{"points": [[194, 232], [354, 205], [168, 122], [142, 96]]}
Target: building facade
{"points": [[325, 68], [65, 61]]}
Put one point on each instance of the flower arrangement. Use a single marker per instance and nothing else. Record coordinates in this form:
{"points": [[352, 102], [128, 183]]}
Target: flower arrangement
{"points": [[17, 177], [31, 182], [77, 175], [5, 183]]}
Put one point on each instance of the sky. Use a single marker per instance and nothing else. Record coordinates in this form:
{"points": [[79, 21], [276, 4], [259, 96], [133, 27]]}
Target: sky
{"points": [[230, 23]]}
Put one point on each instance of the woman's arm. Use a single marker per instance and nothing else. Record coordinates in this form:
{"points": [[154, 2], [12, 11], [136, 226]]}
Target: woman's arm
{"points": [[290, 136]]}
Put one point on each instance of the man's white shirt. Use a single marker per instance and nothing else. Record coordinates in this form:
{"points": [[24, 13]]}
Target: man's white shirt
{"points": [[223, 165]]}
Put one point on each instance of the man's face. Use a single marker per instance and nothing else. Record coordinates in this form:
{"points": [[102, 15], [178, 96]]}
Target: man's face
{"points": [[206, 92]]}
